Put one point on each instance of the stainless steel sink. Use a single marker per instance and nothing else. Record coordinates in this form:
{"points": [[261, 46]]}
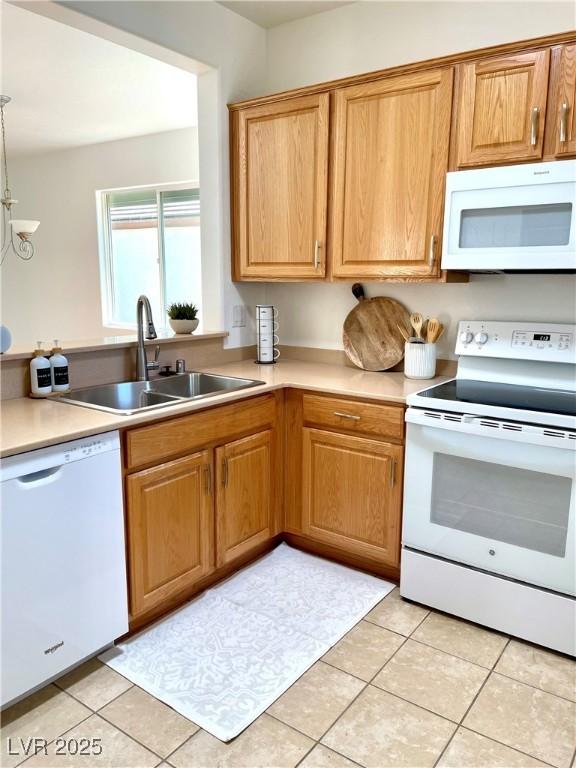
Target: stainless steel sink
{"points": [[136, 396]]}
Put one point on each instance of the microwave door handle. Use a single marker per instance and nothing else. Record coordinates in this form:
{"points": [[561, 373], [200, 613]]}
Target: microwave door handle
{"points": [[563, 122], [534, 125]]}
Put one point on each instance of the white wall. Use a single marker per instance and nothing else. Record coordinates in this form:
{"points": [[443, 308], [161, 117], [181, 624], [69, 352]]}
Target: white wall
{"points": [[373, 35], [57, 293], [235, 48], [365, 36]]}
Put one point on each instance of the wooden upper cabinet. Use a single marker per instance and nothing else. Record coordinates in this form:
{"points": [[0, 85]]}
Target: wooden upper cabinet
{"points": [[279, 163], [391, 140], [501, 109], [170, 529], [561, 126], [244, 501], [352, 494]]}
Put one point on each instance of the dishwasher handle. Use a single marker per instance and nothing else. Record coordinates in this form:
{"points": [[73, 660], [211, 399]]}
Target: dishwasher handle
{"points": [[37, 478]]}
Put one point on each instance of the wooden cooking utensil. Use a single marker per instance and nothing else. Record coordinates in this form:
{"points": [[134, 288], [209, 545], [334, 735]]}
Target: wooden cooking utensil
{"points": [[416, 320], [432, 330], [371, 335], [404, 332]]}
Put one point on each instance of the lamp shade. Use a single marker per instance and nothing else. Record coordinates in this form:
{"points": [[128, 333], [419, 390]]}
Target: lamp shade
{"points": [[24, 226]]}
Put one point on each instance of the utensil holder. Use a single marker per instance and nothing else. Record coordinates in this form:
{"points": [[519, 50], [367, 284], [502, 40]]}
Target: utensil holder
{"points": [[419, 360]]}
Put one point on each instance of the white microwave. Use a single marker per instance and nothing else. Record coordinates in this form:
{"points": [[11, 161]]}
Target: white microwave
{"points": [[513, 218]]}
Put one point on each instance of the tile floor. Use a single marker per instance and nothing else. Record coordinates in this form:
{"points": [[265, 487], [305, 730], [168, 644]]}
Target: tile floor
{"points": [[405, 687]]}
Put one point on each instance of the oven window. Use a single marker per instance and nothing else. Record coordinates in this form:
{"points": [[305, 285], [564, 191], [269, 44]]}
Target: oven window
{"points": [[516, 506], [516, 226]]}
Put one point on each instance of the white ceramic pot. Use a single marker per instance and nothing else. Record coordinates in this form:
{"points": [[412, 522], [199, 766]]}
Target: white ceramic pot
{"points": [[183, 326]]}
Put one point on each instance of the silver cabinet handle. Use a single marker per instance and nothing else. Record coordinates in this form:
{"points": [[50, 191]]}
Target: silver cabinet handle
{"points": [[225, 473], [347, 415], [534, 125], [564, 122], [208, 479], [316, 254], [431, 252], [392, 472]]}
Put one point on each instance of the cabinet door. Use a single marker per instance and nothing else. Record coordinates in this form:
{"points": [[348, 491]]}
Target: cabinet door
{"points": [[170, 529], [279, 189], [563, 106], [244, 509], [391, 143], [501, 109], [352, 490]]}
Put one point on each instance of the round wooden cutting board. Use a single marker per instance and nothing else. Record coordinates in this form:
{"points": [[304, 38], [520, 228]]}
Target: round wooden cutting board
{"points": [[371, 337]]}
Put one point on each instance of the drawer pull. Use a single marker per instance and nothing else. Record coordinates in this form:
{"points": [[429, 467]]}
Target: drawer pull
{"points": [[347, 415], [392, 472]]}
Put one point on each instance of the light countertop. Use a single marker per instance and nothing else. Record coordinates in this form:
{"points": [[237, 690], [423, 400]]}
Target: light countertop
{"points": [[29, 424]]}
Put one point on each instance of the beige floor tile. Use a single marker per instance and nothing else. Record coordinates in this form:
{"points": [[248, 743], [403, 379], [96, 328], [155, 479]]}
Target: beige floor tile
{"points": [[381, 731], [432, 679], [314, 702], [397, 614], [544, 669], [45, 715], [461, 638], [364, 650], [118, 750], [322, 757], [94, 684], [470, 750], [149, 721], [535, 722], [267, 742]]}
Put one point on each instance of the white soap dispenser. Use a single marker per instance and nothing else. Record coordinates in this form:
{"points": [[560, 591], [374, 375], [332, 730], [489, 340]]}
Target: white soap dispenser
{"points": [[40, 373], [59, 369]]}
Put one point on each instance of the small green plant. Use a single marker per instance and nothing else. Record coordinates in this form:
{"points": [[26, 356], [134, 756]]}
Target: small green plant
{"points": [[182, 311]]}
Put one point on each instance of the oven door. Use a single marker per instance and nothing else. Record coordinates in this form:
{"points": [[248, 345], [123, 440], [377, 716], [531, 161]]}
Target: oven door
{"points": [[512, 218], [494, 495]]}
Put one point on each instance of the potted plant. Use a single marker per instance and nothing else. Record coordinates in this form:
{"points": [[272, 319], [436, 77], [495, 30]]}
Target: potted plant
{"points": [[183, 317]]}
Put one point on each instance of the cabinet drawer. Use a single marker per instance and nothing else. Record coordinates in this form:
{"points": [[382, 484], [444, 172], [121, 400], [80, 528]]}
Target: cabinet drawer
{"points": [[147, 445], [354, 416]]}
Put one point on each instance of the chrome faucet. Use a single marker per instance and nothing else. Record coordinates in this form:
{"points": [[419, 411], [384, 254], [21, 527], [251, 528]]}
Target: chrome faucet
{"points": [[143, 365]]}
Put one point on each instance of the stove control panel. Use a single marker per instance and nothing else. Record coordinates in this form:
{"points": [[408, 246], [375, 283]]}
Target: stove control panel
{"points": [[548, 342]]}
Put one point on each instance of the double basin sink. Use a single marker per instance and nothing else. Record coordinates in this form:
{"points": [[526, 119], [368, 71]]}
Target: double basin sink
{"points": [[129, 397]]}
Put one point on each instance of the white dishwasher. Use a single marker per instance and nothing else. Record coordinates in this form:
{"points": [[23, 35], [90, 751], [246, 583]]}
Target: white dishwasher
{"points": [[63, 559]]}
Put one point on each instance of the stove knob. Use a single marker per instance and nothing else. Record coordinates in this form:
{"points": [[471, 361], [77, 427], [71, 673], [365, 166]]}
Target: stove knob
{"points": [[481, 338], [466, 337]]}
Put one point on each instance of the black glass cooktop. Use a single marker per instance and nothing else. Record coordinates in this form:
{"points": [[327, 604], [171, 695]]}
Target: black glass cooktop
{"points": [[505, 396]]}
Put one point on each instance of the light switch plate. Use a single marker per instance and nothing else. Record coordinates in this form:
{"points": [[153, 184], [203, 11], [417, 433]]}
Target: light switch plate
{"points": [[238, 316]]}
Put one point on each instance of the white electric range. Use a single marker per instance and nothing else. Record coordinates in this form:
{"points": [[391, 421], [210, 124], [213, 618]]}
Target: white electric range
{"points": [[489, 492]]}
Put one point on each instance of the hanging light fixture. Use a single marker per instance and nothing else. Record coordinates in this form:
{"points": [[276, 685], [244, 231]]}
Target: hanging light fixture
{"points": [[22, 228]]}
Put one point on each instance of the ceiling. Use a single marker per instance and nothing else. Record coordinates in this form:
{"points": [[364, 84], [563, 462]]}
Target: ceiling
{"points": [[271, 13], [70, 88]]}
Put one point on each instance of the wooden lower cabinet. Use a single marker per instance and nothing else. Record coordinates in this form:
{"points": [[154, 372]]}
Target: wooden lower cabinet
{"points": [[352, 494], [244, 504], [170, 529]]}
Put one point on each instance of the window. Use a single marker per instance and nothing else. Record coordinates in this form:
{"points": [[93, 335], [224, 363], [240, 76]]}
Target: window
{"points": [[150, 241]]}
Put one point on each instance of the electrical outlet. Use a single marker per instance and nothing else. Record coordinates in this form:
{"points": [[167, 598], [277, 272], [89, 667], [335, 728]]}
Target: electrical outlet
{"points": [[238, 316]]}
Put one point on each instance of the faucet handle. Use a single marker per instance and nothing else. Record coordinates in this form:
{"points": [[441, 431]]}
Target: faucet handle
{"points": [[153, 365]]}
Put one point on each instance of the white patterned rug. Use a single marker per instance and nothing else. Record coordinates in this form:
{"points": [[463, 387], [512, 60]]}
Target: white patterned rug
{"points": [[228, 655]]}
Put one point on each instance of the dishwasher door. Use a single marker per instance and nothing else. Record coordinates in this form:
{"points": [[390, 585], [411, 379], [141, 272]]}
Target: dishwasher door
{"points": [[63, 559]]}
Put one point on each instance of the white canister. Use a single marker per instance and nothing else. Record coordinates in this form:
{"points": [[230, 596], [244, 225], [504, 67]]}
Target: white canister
{"points": [[419, 360], [266, 337]]}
